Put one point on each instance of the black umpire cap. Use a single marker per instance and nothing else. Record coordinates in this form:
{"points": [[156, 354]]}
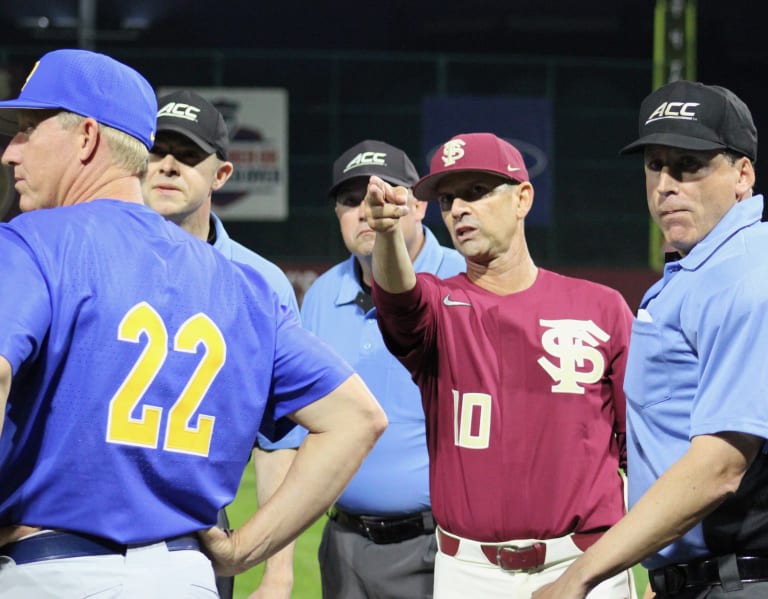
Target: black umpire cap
{"points": [[192, 116], [371, 157], [694, 116]]}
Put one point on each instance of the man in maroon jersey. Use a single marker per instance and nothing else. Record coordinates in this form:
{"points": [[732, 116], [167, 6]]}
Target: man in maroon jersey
{"points": [[521, 374]]}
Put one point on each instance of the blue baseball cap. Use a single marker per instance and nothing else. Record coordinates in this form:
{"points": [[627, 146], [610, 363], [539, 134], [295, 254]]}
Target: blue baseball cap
{"points": [[91, 85]]}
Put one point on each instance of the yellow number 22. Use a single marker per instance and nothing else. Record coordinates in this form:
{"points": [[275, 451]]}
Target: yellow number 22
{"points": [[181, 435]]}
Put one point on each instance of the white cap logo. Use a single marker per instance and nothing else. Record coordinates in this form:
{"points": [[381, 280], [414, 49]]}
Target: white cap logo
{"points": [[179, 110], [674, 110], [367, 158], [453, 151]]}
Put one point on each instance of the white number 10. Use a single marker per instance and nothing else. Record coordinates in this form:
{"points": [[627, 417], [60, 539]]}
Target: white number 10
{"points": [[472, 411]]}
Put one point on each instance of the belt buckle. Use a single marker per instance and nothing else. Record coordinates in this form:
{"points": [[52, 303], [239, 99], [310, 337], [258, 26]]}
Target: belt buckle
{"points": [[374, 530], [668, 579], [382, 532], [513, 558], [675, 579], [370, 532]]}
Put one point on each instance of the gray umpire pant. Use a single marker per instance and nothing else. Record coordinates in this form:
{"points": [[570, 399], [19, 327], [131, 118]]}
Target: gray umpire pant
{"points": [[354, 567], [749, 590], [729, 586]]}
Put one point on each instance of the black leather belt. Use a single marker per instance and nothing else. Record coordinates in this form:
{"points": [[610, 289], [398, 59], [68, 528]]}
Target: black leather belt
{"points": [[61, 545], [383, 530], [674, 579]]}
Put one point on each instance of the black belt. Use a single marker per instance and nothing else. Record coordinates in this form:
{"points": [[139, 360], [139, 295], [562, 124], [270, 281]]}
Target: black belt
{"points": [[383, 530], [674, 579], [62, 545]]}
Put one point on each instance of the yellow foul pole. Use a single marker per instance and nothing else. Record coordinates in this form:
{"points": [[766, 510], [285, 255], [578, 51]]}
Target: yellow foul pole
{"points": [[674, 58]]}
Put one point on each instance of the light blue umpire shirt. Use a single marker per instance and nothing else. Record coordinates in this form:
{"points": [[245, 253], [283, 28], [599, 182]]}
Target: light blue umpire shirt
{"points": [[394, 478], [695, 364], [280, 283]]}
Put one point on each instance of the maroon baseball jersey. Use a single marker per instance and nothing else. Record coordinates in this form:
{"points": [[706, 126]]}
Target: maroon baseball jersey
{"points": [[523, 400]]}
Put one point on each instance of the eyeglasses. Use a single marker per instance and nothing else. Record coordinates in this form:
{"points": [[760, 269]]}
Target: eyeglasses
{"points": [[471, 193]]}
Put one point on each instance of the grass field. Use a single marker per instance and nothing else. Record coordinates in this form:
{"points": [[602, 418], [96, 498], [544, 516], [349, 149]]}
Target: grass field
{"points": [[306, 584], [306, 572]]}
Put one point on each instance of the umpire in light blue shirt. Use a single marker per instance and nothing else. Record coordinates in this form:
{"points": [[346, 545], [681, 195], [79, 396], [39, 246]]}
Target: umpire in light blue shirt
{"points": [[379, 541], [696, 382]]}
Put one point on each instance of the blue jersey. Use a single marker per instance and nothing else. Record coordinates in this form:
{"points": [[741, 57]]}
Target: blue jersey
{"points": [[144, 363], [282, 286], [695, 367], [394, 478]]}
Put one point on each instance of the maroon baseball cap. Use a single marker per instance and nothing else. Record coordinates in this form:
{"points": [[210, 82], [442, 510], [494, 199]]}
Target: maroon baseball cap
{"points": [[482, 152]]}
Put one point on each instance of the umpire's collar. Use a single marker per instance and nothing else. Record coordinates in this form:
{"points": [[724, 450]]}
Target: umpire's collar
{"points": [[742, 215]]}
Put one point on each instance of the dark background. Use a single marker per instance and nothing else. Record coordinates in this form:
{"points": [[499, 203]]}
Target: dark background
{"points": [[358, 70], [730, 35], [729, 32]]}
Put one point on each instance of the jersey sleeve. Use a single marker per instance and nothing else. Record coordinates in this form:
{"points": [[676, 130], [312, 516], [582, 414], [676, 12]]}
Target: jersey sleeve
{"points": [[622, 330], [305, 370], [26, 323], [291, 440], [406, 320]]}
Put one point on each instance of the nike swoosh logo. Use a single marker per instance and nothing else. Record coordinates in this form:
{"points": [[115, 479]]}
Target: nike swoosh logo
{"points": [[512, 169], [449, 302]]}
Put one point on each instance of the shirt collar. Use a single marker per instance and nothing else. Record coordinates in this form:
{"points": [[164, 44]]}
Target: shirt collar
{"points": [[349, 285], [428, 260], [743, 214], [222, 237]]}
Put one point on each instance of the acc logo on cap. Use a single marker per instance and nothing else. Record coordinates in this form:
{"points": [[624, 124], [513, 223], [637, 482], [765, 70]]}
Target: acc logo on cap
{"points": [[674, 110], [179, 110], [367, 158], [453, 151]]}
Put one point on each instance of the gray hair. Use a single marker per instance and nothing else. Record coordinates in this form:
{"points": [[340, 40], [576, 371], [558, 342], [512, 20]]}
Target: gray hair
{"points": [[127, 151]]}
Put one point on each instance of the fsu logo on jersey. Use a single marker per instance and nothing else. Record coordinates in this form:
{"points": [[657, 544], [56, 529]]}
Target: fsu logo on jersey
{"points": [[572, 344]]}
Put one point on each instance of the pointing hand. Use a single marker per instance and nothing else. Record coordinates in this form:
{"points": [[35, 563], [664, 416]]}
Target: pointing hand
{"points": [[384, 205]]}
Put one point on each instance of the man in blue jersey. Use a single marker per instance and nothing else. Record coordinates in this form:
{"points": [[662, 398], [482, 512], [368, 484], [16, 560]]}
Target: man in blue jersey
{"points": [[138, 365], [187, 163], [379, 541], [697, 415]]}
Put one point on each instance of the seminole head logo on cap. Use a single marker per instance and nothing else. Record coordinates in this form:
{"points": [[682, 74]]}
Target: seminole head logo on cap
{"points": [[453, 151]]}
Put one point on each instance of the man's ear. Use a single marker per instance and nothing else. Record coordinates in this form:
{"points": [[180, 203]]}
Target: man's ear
{"points": [[746, 178], [223, 173], [421, 209], [525, 198], [89, 136], [418, 207]]}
